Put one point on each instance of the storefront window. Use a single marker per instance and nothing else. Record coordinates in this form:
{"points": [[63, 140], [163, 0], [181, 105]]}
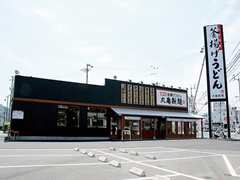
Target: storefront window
{"points": [[171, 127], [162, 126], [114, 126], [191, 128], [127, 126], [96, 117], [149, 123], [146, 123], [68, 116], [169, 124], [135, 127], [154, 123], [181, 128]]}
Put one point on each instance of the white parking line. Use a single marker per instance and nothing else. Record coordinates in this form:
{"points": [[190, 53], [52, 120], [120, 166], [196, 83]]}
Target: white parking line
{"points": [[142, 178], [35, 149], [52, 165], [155, 167], [126, 160], [51, 155], [183, 158], [229, 166]]}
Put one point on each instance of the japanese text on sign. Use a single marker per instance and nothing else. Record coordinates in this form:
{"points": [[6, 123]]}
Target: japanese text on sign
{"points": [[123, 93], [171, 98], [215, 61]]}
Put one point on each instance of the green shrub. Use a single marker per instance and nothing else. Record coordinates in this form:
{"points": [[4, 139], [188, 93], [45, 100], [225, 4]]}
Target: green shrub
{"points": [[6, 126]]}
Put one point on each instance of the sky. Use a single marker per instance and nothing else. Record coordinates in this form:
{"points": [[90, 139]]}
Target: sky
{"points": [[138, 40]]}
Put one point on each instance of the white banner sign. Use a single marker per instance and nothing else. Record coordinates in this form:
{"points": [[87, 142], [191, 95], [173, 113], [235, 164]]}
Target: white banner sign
{"points": [[215, 61], [171, 98], [17, 114], [132, 118]]}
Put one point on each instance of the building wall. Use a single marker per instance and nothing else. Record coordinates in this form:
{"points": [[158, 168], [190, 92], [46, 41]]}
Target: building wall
{"points": [[1, 122], [2, 115], [38, 99], [40, 119], [219, 116], [110, 94]]}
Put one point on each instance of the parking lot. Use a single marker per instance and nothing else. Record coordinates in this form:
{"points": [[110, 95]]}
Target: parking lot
{"points": [[129, 160]]}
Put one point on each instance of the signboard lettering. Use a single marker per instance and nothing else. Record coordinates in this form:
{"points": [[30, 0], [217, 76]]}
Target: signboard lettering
{"points": [[215, 61], [123, 93], [171, 98]]}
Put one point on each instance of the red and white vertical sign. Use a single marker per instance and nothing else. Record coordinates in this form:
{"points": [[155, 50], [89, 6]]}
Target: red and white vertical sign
{"points": [[216, 69]]}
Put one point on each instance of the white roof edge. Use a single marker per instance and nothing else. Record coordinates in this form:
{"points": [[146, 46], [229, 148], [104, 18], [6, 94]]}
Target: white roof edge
{"points": [[126, 111]]}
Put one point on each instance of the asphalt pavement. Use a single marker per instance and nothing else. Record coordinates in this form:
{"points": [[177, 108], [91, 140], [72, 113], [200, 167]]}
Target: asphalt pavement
{"points": [[178, 159]]}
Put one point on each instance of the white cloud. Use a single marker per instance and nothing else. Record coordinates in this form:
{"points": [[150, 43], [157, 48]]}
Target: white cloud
{"points": [[9, 56], [61, 28], [119, 38], [87, 50], [105, 59], [125, 4], [44, 14]]}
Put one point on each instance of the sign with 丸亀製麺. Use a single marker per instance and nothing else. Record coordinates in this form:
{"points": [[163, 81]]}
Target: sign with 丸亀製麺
{"points": [[171, 98]]}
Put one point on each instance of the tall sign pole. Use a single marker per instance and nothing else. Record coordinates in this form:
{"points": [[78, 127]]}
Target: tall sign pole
{"points": [[216, 69]]}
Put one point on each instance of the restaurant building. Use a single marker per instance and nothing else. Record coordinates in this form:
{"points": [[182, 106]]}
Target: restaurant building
{"points": [[45, 109]]}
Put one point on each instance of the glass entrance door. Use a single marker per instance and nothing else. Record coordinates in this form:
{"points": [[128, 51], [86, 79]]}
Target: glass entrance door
{"points": [[149, 128], [115, 127], [131, 129]]}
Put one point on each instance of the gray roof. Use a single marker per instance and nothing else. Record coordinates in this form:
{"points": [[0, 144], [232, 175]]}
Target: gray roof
{"points": [[156, 113]]}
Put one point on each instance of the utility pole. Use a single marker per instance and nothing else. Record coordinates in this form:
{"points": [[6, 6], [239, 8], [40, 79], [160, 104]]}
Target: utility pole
{"points": [[6, 109], [192, 98], [193, 109], [194, 101], [221, 115], [11, 97], [88, 68], [234, 78], [154, 73]]}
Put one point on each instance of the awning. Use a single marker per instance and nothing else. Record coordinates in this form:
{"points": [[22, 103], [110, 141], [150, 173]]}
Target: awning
{"points": [[182, 119], [138, 112]]}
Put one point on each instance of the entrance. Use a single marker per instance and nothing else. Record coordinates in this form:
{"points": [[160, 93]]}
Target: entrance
{"points": [[115, 127], [132, 126], [149, 128]]}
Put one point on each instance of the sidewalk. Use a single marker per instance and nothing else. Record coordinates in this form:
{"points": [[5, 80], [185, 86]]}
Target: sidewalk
{"points": [[234, 136], [3, 135]]}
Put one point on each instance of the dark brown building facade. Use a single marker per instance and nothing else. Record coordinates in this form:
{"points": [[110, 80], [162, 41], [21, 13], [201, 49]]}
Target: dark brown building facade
{"points": [[46, 109]]}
